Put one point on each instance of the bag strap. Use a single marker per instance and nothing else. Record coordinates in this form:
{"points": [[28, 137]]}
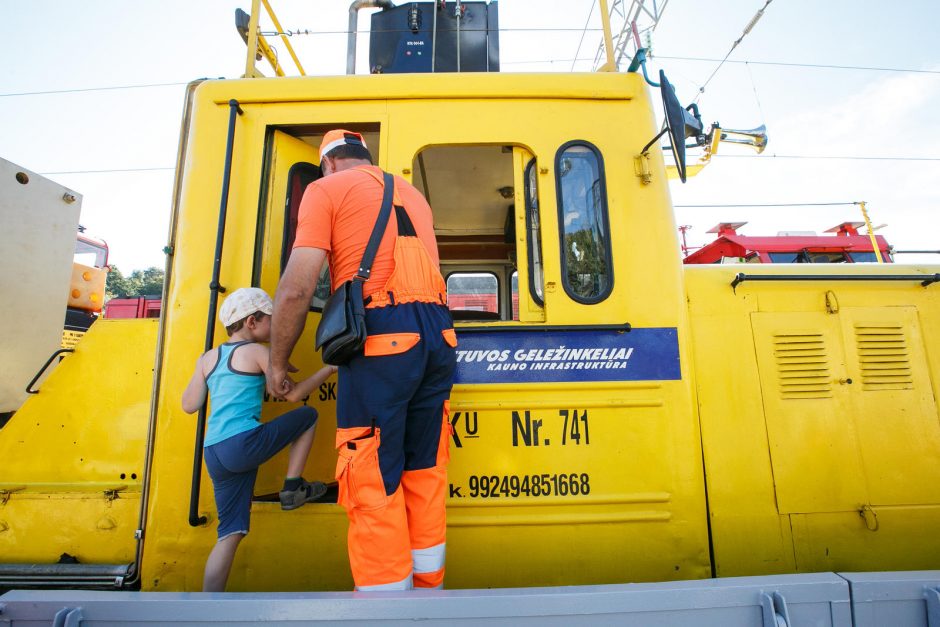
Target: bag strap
{"points": [[365, 266]]}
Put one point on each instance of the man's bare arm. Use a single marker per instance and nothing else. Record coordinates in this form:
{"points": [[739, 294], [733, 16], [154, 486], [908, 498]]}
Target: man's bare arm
{"points": [[291, 303]]}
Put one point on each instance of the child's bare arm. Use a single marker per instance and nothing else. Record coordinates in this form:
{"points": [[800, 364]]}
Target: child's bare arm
{"points": [[303, 388], [194, 396]]}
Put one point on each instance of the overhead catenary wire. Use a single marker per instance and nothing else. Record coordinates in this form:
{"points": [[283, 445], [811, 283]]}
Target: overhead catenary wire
{"points": [[525, 62], [106, 171], [87, 89], [718, 156], [747, 29], [583, 33], [770, 204], [825, 66], [828, 157]]}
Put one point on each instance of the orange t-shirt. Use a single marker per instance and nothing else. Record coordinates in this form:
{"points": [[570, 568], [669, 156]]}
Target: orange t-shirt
{"points": [[337, 214]]}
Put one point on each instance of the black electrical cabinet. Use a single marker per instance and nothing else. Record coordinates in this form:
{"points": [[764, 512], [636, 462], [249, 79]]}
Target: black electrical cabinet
{"points": [[426, 36]]}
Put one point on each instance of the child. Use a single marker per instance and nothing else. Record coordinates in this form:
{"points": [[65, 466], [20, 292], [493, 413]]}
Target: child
{"points": [[236, 442]]}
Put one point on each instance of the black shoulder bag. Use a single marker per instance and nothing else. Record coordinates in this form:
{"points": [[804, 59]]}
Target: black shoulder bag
{"points": [[342, 329]]}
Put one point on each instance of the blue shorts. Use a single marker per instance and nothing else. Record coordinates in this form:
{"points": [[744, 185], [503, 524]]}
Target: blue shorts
{"points": [[233, 464]]}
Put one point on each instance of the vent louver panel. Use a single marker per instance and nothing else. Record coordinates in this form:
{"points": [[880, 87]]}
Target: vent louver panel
{"points": [[802, 366], [883, 357]]}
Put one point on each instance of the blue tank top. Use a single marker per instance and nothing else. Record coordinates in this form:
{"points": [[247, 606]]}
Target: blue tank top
{"points": [[235, 398]]}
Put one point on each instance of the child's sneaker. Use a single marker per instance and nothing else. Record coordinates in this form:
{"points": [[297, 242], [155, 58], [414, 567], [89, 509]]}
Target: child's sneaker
{"points": [[308, 492]]}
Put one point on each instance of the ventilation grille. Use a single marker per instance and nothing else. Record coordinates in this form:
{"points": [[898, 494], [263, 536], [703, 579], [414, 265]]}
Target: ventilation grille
{"points": [[802, 366], [883, 357]]}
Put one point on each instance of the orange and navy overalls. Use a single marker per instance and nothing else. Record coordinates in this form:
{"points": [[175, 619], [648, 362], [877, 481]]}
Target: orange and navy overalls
{"points": [[393, 431]]}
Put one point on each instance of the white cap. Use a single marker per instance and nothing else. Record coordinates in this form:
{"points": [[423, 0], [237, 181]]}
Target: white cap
{"points": [[242, 303]]}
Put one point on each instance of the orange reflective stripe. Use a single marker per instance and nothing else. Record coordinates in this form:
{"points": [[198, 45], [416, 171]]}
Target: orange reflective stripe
{"points": [[425, 492], [450, 336], [379, 548], [357, 469], [429, 580], [414, 279], [390, 343]]}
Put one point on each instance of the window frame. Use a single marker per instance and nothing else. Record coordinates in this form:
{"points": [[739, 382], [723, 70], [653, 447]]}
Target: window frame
{"points": [[539, 299], [602, 181], [497, 292]]}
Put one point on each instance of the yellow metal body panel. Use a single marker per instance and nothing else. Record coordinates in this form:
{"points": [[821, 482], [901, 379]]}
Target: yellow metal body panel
{"points": [[72, 457], [819, 422], [645, 502], [805, 471]]}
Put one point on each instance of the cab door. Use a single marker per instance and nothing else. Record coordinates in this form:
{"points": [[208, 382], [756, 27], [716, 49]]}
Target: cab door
{"points": [[528, 302], [293, 166]]}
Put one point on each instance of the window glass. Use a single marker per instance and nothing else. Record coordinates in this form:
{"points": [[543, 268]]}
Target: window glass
{"points": [[815, 257], [473, 295], [515, 295], [301, 175], [808, 256], [322, 292], [582, 207], [89, 254], [786, 257], [533, 224], [864, 257]]}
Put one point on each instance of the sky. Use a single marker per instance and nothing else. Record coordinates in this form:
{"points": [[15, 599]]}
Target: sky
{"points": [[836, 135]]}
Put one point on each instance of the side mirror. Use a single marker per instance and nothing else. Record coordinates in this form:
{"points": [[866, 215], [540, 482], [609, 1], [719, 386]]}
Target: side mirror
{"points": [[680, 124]]}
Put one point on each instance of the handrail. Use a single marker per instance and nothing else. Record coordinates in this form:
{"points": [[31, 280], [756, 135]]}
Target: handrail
{"points": [[925, 279], [195, 519], [42, 370]]}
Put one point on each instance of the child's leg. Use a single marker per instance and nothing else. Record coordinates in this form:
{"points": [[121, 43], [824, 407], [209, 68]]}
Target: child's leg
{"points": [[299, 450], [295, 428], [233, 491], [219, 563]]}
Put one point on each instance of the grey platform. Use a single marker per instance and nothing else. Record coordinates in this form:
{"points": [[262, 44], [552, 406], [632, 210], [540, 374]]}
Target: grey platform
{"points": [[817, 600]]}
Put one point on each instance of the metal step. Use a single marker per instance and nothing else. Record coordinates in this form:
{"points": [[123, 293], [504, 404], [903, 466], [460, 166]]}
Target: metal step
{"points": [[64, 575]]}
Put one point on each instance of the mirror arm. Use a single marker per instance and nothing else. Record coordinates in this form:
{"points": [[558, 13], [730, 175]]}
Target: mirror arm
{"points": [[639, 61], [647, 146]]}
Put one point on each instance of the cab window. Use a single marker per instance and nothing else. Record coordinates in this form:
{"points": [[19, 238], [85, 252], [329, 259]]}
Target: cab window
{"points": [[471, 192], [473, 295], [301, 175], [582, 214], [534, 234]]}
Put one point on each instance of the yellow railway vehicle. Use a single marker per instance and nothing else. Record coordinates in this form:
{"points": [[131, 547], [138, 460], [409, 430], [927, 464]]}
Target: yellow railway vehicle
{"points": [[635, 420]]}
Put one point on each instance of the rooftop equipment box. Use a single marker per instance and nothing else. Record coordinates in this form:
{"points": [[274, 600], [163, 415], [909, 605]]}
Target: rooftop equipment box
{"points": [[407, 38]]}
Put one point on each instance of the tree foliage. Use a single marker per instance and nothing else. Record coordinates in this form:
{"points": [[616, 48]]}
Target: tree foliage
{"points": [[147, 282], [586, 262]]}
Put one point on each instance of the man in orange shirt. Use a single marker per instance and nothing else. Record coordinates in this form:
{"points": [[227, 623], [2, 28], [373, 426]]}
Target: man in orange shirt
{"points": [[393, 432]]}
